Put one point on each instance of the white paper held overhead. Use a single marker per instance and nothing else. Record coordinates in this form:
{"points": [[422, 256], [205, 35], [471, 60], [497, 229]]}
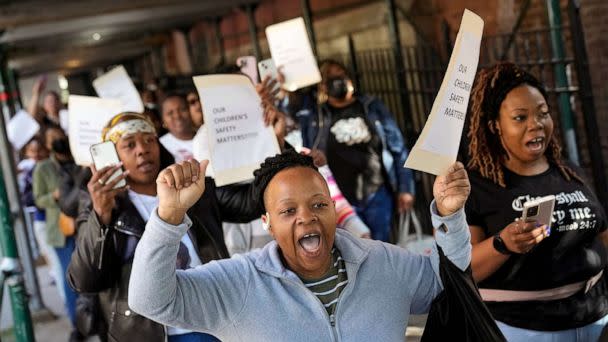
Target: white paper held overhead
{"points": [[238, 140], [21, 128], [116, 84], [290, 49], [437, 147], [87, 117]]}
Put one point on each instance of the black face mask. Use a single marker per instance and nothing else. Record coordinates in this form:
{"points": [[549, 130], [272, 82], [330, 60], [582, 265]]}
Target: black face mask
{"points": [[61, 146], [337, 87]]}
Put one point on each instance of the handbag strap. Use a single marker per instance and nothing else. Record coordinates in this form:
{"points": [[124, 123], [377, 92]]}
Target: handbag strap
{"points": [[416, 223], [408, 220]]}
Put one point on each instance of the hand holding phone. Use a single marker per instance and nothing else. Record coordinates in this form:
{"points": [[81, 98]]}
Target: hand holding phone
{"points": [[539, 210], [267, 68], [104, 154], [107, 180]]}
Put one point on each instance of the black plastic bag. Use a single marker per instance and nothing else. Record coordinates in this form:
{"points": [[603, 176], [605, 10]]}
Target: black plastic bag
{"points": [[458, 313]]}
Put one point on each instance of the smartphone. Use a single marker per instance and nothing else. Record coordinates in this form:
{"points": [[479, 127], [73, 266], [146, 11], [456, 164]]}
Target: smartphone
{"points": [[539, 210], [267, 68], [104, 154]]}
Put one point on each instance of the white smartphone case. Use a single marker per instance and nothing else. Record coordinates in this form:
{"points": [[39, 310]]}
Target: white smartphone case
{"points": [[104, 154], [267, 68]]}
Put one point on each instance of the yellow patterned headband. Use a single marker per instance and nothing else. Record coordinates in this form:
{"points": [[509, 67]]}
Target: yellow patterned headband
{"points": [[137, 124]]}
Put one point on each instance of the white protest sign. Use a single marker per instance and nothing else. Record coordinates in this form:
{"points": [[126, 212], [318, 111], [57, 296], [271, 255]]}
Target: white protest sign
{"points": [[87, 117], [238, 140], [21, 128], [290, 49], [437, 147], [116, 84]]}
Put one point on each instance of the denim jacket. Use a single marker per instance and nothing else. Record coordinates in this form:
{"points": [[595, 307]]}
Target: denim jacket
{"points": [[316, 130]]}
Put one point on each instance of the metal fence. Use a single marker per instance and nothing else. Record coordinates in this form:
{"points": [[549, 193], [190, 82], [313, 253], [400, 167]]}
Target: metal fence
{"points": [[375, 73]]}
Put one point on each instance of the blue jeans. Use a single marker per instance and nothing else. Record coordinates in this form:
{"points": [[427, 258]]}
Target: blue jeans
{"points": [[65, 254], [588, 333], [377, 213], [193, 337]]}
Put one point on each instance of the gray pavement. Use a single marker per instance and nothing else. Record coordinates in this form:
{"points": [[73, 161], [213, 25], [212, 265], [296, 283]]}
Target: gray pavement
{"points": [[50, 325]]}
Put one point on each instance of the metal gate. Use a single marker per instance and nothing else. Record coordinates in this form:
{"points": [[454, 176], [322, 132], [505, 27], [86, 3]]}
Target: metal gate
{"points": [[375, 72]]}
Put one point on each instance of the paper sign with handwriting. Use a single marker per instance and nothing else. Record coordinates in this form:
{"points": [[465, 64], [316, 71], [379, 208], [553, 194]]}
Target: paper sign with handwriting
{"points": [[87, 117], [290, 49], [238, 140], [437, 147], [116, 84], [21, 129]]}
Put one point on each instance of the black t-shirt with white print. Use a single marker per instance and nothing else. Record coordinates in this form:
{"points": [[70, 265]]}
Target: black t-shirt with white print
{"points": [[571, 253], [354, 153]]}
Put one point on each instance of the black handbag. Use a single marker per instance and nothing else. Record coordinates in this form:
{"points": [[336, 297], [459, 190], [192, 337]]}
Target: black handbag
{"points": [[458, 312]]}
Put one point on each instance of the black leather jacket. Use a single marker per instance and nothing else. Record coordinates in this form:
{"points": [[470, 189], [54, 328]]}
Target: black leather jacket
{"points": [[103, 257]]}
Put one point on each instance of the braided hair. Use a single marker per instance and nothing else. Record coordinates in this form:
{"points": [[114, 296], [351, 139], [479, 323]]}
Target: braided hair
{"points": [[486, 152], [273, 165]]}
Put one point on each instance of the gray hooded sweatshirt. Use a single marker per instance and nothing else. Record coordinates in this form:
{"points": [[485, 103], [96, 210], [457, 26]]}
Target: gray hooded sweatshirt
{"points": [[254, 297]]}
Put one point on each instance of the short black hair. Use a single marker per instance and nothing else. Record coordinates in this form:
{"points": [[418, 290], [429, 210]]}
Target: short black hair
{"points": [[273, 165], [178, 95]]}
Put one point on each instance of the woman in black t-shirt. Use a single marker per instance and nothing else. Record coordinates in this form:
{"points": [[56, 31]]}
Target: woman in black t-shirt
{"points": [[364, 147], [540, 283]]}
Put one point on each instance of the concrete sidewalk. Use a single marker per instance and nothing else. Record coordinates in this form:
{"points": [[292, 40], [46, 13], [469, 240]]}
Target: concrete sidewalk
{"points": [[50, 325]]}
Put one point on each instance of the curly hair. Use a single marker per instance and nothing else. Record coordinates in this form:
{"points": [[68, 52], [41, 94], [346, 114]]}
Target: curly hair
{"points": [[273, 165], [486, 152]]}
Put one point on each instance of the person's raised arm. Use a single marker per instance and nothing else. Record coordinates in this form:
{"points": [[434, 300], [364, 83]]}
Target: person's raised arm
{"points": [[451, 233], [32, 106], [206, 298]]}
